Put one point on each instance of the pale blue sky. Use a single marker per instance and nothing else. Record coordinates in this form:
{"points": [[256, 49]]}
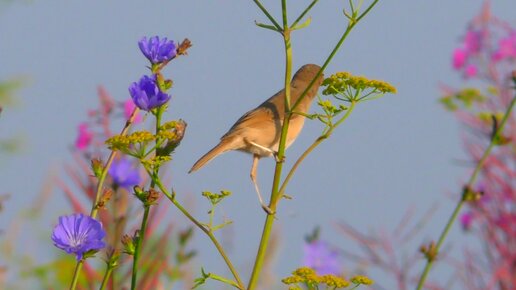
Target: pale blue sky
{"points": [[393, 153]]}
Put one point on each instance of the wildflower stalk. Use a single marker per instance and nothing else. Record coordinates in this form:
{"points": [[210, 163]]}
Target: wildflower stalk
{"points": [[316, 143], [471, 181], [207, 231], [354, 18], [98, 193], [146, 209], [111, 264], [139, 243]]}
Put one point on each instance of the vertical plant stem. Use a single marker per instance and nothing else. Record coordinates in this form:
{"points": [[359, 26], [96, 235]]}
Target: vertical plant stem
{"points": [[269, 221], [105, 280], [76, 272], [209, 233], [275, 192], [316, 143], [470, 183], [100, 186], [146, 208], [139, 243]]}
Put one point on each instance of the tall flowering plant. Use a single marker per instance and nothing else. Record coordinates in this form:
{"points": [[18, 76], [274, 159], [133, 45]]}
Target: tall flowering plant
{"points": [[487, 59], [150, 150]]}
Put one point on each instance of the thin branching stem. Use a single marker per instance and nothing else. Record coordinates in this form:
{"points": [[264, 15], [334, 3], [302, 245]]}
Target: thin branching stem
{"points": [[275, 193], [304, 13], [100, 186], [264, 10], [208, 232], [316, 143], [461, 202], [146, 207]]}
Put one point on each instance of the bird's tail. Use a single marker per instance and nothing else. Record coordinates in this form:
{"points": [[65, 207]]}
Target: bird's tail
{"points": [[222, 147]]}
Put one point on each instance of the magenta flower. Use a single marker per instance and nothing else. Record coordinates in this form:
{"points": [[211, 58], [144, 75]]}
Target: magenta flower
{"points": [[84, 138], [470, 71], [146, 93], [473, 41], [156, 50], [123, 173], [466, 220], [506, 48], [320, 257], [78, 234], [459, 58], [129, 107]]}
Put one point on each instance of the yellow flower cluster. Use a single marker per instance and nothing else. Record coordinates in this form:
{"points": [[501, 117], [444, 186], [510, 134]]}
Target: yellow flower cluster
{"points": [[156, 161], [119, 142], [308, 276], [216, 197], [465, 97], [341, 82], [360, 279]]}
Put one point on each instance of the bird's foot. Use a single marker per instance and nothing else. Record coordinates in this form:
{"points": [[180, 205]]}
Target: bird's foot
{"points": [[268, 210], [277, 158]]}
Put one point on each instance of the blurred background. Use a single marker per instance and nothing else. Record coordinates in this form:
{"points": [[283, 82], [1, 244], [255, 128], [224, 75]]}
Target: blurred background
{"points": [[402, 151]]}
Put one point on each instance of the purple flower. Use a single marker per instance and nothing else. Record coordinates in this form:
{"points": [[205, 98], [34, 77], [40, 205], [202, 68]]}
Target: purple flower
{"points": [[123, 173], [156, 50], [146, 94], [78, 234], [320, 257]]}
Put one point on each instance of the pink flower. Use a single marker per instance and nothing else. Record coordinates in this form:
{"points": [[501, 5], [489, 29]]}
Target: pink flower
{"points": [[459, 58], [466, 219], [84, 138], [506, 48], [128, 110], [472, 41], [470, 71]]}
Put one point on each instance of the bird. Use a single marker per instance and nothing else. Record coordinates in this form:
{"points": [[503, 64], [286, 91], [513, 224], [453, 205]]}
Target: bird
{"points": [[258, 131]]}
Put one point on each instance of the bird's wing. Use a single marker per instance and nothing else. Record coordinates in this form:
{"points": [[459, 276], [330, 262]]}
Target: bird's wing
{"points": [[263, 116]]}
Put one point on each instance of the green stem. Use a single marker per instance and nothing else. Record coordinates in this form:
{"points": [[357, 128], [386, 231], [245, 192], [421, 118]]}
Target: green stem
{"points": [[100, 186], [208, 232], [350, 26], [275, 193], [269, 221], [147, 207], [304, 13], [470, 183], [139, 242], [316, 143], [264, 10], [105, 280], [76, 272]]}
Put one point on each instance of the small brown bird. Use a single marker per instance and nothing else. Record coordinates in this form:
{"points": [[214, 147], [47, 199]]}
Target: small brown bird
{"points": [[258, 131]]}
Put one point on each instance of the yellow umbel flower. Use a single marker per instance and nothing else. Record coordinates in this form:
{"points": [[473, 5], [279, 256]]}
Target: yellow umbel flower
{"points": [[344, 83], [360, 279]]}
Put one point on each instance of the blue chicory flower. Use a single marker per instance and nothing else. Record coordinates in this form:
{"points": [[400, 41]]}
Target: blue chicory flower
{"points": [[78, 234], [322, 258], [146, 94], [123, 173], [156, 50]]}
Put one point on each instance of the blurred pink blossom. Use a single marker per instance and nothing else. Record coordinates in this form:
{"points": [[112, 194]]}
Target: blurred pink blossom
{"points": [[470, 71], [459, 58], [129, 107], [466, 220], [84, 138], [506, 47], [473, 41]]}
